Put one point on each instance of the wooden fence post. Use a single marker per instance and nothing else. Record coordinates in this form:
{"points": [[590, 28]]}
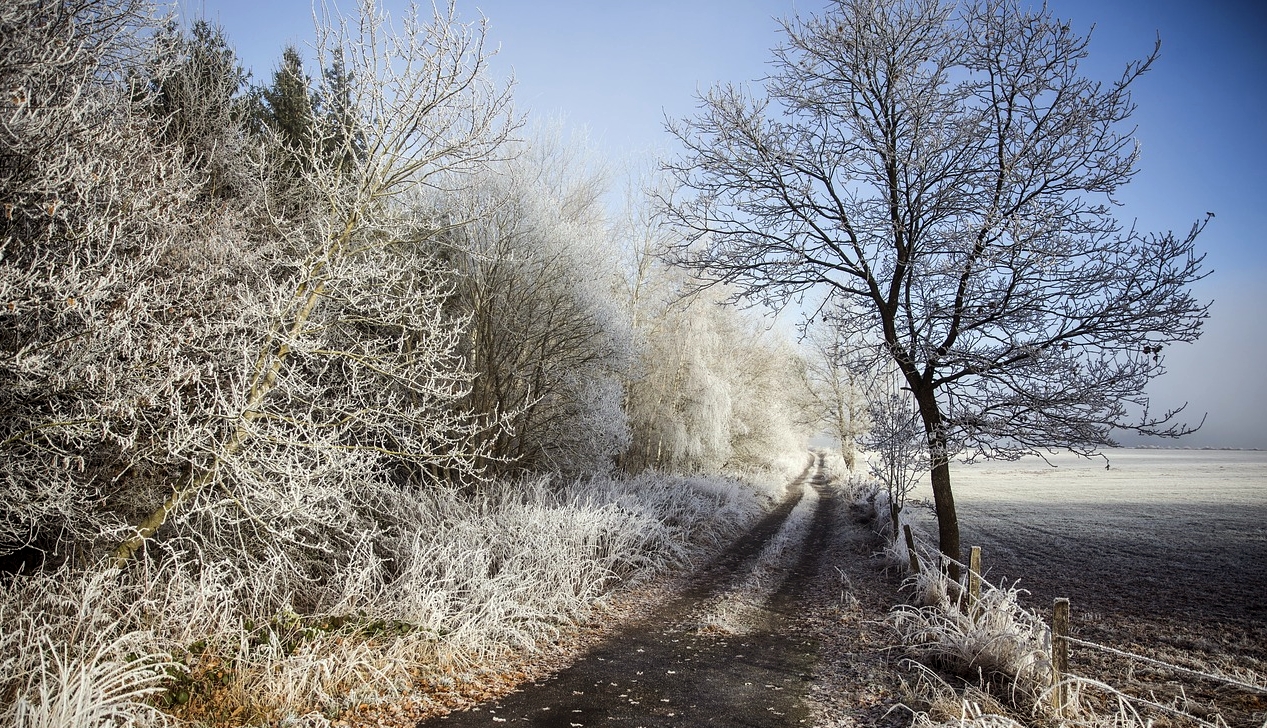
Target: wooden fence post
{"points": [[974, 579], [910, 549], [1059, 654]]}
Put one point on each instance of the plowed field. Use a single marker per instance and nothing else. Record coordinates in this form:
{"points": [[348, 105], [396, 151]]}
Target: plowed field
{"points": [[1162, 553]]}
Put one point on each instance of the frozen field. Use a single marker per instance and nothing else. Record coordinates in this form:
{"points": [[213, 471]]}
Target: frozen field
{"points": [[1159, 535], [1163, 554]]}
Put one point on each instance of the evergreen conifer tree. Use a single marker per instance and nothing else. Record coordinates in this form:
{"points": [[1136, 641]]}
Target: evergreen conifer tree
{"points": [[286, 106], [341, 142]]}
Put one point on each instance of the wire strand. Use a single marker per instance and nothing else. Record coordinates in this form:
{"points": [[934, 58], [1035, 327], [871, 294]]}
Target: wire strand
{"points": [[1259, 689]]}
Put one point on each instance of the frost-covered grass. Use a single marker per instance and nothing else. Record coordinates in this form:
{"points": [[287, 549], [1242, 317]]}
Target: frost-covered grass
{"points": [[935, 703], [994, 640], [1000, 654], [458, 581], [999, 650]]}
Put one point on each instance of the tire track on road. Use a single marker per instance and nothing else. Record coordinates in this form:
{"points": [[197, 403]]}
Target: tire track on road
{"points": [[663, 671]]}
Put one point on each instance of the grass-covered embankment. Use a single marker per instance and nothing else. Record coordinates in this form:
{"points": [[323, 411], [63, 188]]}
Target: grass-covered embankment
{"points": [[454, 582]]}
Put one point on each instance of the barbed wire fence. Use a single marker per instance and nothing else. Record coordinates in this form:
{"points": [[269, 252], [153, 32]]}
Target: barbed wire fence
{"points": [[1063, 678], [1060, 641]]}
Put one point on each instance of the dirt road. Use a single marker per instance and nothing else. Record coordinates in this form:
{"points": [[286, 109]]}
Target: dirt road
{"points": [[675, 668]]}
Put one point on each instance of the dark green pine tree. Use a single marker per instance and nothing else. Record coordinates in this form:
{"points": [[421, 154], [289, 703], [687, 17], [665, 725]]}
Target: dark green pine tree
{"points": [[342, 143], [200, 101], [286, 106]]}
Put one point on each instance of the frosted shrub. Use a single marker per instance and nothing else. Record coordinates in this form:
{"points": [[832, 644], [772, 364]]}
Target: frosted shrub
{"points": [[995, 636], [443, 581], [94, 308], [349, 384]]}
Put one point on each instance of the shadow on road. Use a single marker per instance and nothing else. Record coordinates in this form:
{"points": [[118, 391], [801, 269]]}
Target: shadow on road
{"points": [[665, 671]]}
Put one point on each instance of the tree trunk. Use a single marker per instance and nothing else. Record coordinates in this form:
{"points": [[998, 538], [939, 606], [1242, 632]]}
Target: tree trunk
{"points": [[943, 498], [947, 521]]}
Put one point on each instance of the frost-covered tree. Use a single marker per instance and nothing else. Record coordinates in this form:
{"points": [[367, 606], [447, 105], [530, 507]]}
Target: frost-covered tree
{"points": [[762, 368], [100, 285], [346, 381], [838, 382], [285, 106], [544, 340], [710, 389], [947, 171], [199, 96]]}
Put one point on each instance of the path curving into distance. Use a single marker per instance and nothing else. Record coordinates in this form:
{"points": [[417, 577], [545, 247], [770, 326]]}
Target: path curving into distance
{"points": [[677, 667]]}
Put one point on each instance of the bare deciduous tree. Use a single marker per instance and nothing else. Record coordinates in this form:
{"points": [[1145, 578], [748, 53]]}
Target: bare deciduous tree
{"points": [[710, 387], [838, 382], [544, 340], [946, 173], [896, 441]]}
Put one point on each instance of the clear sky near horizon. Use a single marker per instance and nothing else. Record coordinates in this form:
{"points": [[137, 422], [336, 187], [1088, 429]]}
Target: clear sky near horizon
{"points": [[618, 67]]}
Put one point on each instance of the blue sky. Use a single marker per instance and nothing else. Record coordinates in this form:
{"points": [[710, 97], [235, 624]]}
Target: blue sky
{"points": [[616, 67]]}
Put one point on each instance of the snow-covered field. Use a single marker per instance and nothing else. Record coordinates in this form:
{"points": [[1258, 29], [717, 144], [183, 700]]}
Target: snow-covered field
{"points": [[1159, 531], [1162, 554]]}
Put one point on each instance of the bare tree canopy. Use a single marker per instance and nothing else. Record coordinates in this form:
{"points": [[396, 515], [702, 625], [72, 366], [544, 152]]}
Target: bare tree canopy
{"points": [[838, 376], [944, 176]]}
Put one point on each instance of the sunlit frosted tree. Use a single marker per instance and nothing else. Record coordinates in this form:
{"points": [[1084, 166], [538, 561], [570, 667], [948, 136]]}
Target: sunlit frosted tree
{"points": [[710, 388], [946, 172], [839, 379], [544, 339]]}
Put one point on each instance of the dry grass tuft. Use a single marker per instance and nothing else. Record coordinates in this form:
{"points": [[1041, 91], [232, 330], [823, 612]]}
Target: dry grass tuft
{"points": [[253, 637], [996, 637]]}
